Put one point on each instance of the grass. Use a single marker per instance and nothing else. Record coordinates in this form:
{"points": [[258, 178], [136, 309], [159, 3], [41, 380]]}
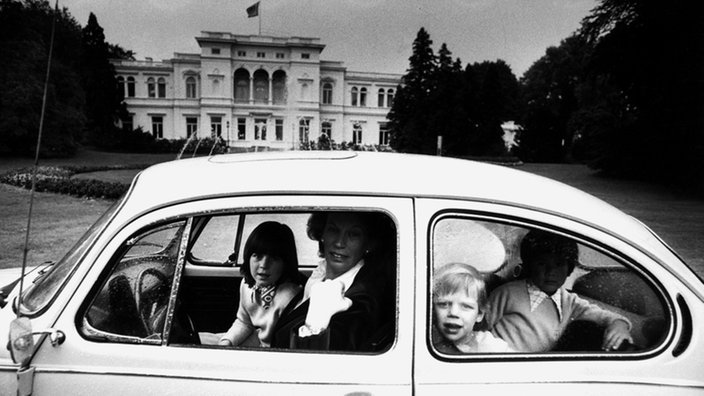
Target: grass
{"points": [[58, 221]]}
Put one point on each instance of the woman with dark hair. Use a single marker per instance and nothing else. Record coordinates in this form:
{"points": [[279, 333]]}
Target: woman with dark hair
{"points": [[345, 302], [271, 281]]}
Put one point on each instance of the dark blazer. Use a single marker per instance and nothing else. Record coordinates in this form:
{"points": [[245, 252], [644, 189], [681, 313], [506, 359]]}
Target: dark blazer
{"points": [[353, 330]]}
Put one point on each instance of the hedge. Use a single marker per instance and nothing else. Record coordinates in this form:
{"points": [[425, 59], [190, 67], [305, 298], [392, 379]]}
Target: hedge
{"points": [[58, 179]]}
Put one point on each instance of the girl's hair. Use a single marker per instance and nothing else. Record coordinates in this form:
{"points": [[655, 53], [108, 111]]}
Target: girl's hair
{"points": [[538, 242], [274, 239], [459, 277]]}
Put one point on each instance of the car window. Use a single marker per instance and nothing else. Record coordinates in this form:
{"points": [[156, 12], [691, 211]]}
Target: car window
{"points": [[500, 287], [220, 301], [132, 303]]}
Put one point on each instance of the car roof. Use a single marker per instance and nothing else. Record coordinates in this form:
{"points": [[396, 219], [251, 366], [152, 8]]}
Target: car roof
{"points": [[377, 174]]}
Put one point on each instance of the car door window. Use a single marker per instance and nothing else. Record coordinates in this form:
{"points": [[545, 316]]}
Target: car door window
{"points": [[500, 287], [131, 304]]}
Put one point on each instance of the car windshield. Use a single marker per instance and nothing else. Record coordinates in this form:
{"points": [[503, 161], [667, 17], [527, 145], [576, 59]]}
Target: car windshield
{"points": [[46, 285]]}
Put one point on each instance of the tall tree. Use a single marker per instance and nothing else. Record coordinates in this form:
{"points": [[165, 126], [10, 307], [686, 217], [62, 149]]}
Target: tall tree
{"points": [[550, 89], [25, 37], [409, 127], [647, 70], [105, 102]]}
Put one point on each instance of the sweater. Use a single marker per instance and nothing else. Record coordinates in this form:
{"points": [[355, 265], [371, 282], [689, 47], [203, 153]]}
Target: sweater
{"points": [[509, 317], [253, 317]]}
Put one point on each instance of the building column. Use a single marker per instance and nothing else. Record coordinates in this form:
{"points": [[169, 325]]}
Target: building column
{"points": [[271, 90], [251, 90]]}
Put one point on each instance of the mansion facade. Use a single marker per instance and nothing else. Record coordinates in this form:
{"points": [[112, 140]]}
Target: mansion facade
{"points": [[257, 91]]}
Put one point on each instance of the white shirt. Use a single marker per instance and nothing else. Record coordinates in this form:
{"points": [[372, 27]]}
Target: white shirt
{"points": [[320, 273]]}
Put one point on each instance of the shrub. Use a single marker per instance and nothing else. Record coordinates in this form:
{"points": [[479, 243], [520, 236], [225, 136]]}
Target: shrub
{"points": [[59, 180]]}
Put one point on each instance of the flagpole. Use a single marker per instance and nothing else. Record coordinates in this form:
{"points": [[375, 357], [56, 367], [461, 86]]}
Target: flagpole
{"points": [[260, 18]]}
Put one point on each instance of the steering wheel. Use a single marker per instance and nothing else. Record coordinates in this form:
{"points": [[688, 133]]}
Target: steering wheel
{"points": [[151, 302]]}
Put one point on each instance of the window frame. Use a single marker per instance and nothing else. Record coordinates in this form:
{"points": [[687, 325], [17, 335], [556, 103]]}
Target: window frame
{"points": [[530, 222]]}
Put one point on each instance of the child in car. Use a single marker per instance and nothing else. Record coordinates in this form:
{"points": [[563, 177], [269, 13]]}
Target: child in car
{"points": [[532, 313], [459, 302], [271, 281]]}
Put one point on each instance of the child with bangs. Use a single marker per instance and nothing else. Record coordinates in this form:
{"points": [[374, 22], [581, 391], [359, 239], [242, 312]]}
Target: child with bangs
{"points": [[459, 303], [271, 281]]}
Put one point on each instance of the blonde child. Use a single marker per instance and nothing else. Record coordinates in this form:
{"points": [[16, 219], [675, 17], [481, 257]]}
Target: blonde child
{"points": [[459, 302]]}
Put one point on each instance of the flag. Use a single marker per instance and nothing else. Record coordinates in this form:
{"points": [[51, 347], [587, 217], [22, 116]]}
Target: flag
{"points": [[253, 10]]}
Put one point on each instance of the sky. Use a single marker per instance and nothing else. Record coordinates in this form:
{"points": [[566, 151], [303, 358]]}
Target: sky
{"points": [[367, 35]]}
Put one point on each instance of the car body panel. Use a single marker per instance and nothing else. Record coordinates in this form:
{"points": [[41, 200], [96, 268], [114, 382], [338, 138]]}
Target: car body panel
{"points": [[414, 191]]}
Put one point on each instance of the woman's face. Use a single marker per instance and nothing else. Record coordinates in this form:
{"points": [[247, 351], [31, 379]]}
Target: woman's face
{"points": [[345, 241], [266, 269]]}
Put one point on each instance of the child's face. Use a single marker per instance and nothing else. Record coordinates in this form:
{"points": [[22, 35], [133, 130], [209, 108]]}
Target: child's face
{"points": [[455, 316], [548, 273], [266, 269]]}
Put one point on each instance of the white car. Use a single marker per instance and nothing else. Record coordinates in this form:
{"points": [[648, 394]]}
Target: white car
{"points": [[127, 310]]}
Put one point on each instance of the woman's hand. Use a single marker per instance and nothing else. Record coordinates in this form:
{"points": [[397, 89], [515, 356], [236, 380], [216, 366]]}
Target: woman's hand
{"points": [[326, 299], [615, 334]]}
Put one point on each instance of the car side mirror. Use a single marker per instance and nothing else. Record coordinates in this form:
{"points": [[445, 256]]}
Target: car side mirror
{"points": [[21, 342]]}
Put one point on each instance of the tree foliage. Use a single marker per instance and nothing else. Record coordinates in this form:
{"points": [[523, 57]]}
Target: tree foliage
{"points": [[82, 95], [466, 107], [25, 35]]}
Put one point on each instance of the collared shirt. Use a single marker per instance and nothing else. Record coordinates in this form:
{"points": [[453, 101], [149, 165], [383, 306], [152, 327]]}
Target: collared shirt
{"points": [[320, 273], [537, 297]]}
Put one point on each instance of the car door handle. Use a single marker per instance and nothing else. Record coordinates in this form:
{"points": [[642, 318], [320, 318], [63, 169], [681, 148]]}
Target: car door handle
{"points": [[57, 337]]}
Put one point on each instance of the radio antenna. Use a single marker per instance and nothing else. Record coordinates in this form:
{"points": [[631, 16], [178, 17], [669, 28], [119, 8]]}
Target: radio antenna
{"points": [[36, 158]]}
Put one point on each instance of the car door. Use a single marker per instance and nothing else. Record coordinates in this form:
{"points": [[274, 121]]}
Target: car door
{"points": [[119, 342], [610, 273]]}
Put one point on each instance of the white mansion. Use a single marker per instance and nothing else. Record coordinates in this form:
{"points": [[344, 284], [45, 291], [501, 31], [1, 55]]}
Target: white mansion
{"points": [[254, 90]]}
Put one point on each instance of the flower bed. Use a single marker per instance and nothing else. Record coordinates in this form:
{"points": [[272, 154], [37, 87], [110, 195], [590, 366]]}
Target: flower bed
{"points": [[58, 179]]}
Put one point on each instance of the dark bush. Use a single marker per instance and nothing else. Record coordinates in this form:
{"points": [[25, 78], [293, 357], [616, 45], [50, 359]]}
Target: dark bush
{"points": [[60, 180]]}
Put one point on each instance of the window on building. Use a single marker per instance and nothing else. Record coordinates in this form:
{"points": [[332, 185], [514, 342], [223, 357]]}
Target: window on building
{"points": [[260, 129], [127, 123], [261, 86], [279, 87], [305, 55], [327, 93], [280, 55], [261, 54], [241, 85], [363, 97], [357, 133], [121, 85], [389, 98], [355, 96], [326, 128], [384, 134], [191, 87], [215, 51], [215, 126], [241, 128], [304, 130], [242, 53], [158, 127], [161, 83], [279, 123], [130, 87], [382, 95], [191, 126], [151, 87]]}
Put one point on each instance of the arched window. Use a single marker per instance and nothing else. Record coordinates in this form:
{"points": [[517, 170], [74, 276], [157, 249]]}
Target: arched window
{"points": [[151, 87], [130, 87], [355, 93], [191, 87], [389, 98], [327, 93], [380, 101], [279, 86], [363, 97], [261, 86], [162, 87], [121, 85], [241, 85]]}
